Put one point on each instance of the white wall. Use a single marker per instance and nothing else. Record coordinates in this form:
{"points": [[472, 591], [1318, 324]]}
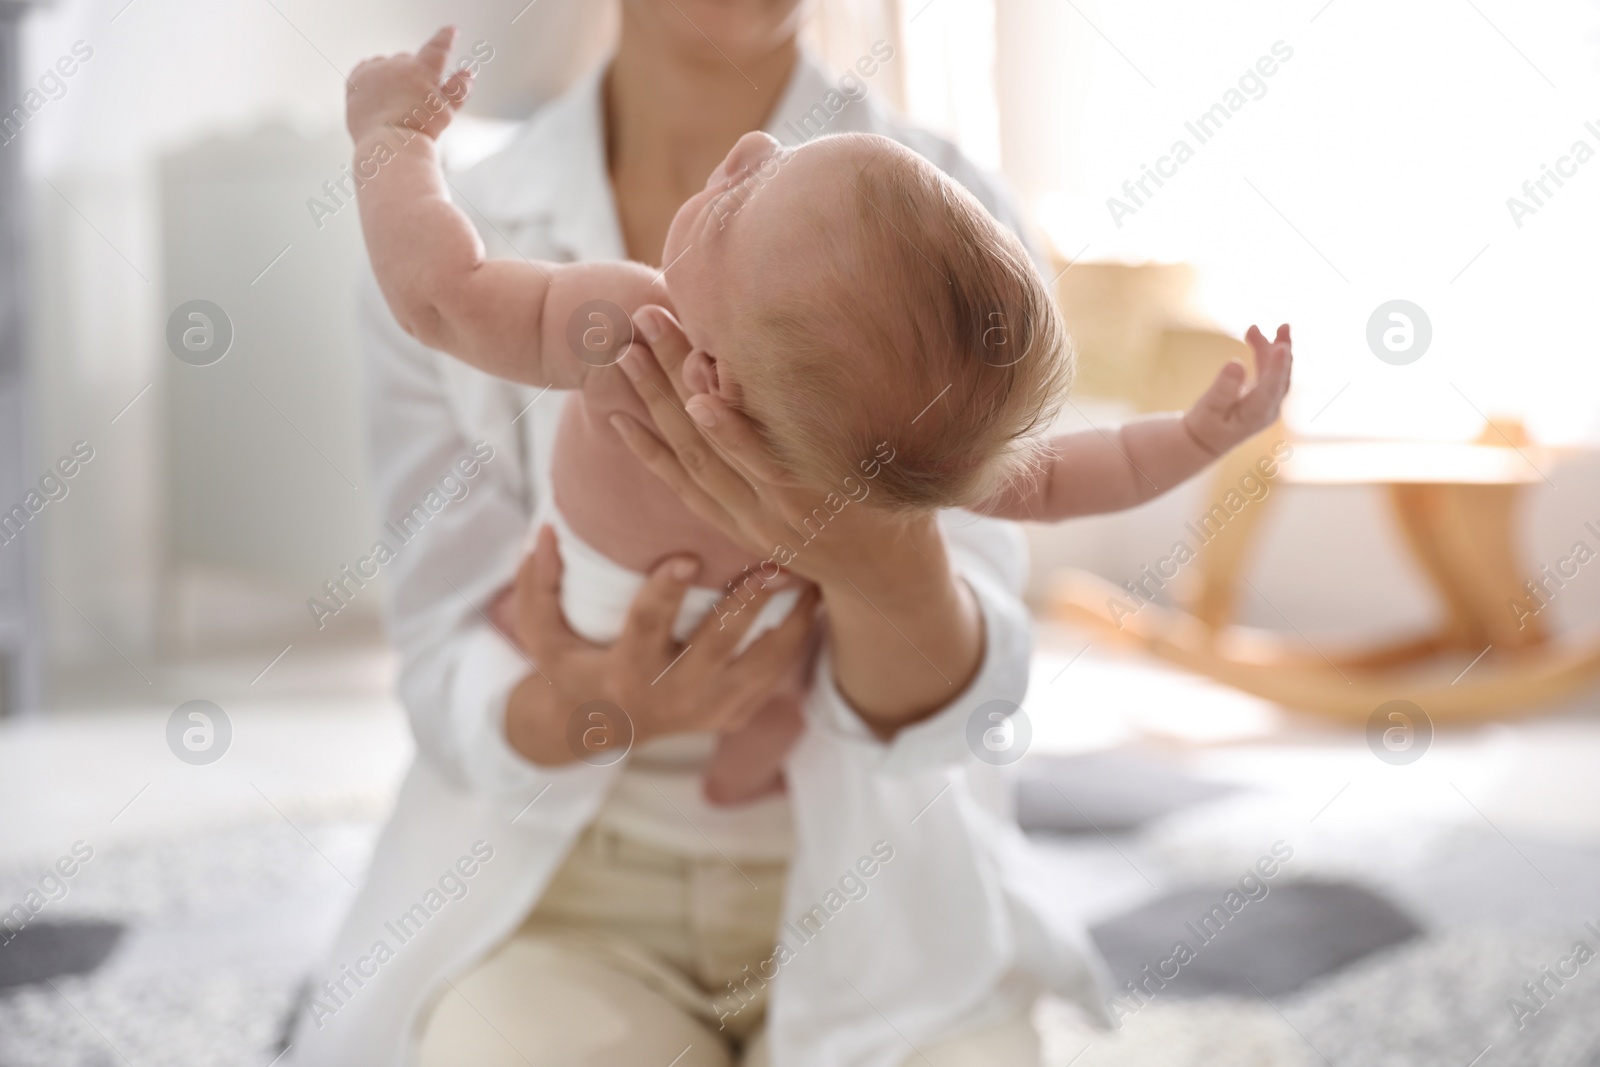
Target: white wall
{"points": [[202, 86]]}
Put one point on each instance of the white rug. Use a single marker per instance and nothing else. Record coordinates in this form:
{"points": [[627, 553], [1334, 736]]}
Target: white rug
{"points": [[221, 926]]}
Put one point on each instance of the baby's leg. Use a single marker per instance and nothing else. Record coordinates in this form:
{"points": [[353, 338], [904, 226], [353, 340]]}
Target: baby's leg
{"points": [[748, 762]]}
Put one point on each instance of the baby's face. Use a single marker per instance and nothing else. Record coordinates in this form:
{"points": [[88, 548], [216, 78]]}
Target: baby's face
{"points": [[755, 227]]}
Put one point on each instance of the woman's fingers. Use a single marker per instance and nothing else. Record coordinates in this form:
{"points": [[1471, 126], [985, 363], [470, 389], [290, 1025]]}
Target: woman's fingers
{"points": [[737, 437], [720, 632], [667, 340], [759, 667], [541, 627], [647, 633], [731, 431], [783, 644], [770, 727], [697, 453], [503, 612]]}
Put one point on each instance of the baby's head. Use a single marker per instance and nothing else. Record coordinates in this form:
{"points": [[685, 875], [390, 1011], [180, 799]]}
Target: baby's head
{"points": [[847, 294]]}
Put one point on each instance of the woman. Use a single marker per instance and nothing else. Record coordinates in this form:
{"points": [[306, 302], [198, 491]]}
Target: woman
{"points": [[526, 905]]}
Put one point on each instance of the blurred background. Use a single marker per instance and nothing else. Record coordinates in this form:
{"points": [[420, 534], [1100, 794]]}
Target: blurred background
{"points": [[1416, 188]]}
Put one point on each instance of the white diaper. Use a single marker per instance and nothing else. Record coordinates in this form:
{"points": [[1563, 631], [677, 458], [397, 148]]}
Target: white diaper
{"points": [[596, 591]]}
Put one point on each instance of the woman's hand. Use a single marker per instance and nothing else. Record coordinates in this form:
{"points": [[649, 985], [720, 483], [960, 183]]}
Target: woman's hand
{"points": [[716, 462], [905, 632], [662, 686]]}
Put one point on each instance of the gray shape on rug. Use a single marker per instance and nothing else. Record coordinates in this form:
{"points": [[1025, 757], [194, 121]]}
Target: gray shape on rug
{"points": [[44, 950], [1190, 943], [1104, 792]]}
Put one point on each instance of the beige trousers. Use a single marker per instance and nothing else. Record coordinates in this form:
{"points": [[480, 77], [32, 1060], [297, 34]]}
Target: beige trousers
{"points": [[632, 957]]}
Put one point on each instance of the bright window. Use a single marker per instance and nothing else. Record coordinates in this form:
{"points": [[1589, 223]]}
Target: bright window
{"points": [[1374, 162]]}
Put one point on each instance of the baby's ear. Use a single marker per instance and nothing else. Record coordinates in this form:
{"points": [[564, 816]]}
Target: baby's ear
{"points": [[700, 371], [728, 389], [705, 373]]}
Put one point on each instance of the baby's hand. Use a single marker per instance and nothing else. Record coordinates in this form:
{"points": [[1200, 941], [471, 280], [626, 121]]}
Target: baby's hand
{"points": [[405, 90], [1227, 415]]}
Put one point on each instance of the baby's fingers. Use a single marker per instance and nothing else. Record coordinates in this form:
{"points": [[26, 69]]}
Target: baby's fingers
{"points": [[1258, 343], [1261, 406], [1224, 390], [436, 53], [457, 88]]}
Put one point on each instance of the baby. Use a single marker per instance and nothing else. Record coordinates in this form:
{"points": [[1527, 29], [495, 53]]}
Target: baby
{"points": [[861, 308]]}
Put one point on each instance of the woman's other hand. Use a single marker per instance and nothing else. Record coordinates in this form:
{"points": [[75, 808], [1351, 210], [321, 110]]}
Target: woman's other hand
{"points": [[663, 686]]}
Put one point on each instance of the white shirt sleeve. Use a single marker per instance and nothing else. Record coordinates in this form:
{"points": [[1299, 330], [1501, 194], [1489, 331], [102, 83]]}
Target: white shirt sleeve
{"points": [[456, 670], [992, 558]]}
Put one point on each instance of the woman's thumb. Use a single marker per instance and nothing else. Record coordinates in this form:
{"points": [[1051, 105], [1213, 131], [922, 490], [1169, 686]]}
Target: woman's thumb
{"points": [[539, 593]]}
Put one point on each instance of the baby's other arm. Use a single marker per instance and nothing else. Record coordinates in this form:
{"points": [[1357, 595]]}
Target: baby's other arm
{"points": [[1094, 472], [506, 317]]}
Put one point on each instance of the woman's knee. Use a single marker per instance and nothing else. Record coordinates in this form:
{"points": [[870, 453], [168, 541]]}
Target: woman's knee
{"points": [[543, 1003]]}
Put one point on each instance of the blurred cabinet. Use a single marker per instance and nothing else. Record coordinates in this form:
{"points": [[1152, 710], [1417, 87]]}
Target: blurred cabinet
{"points": [[20, 637], [265, 462]]}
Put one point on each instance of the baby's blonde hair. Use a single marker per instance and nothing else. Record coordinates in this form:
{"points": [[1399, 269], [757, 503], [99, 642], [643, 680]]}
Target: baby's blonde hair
{"points": [[930, 332]]}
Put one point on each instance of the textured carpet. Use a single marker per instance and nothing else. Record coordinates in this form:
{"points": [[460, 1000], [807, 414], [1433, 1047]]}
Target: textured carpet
{"points": [[219, 930], [1190, 943], [1434, 1002], [220, 926], [1104, 792], [43, 950]]}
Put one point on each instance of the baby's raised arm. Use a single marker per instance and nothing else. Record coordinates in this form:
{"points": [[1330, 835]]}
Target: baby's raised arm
{"points": [[507, 317], [1095, 471]]}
